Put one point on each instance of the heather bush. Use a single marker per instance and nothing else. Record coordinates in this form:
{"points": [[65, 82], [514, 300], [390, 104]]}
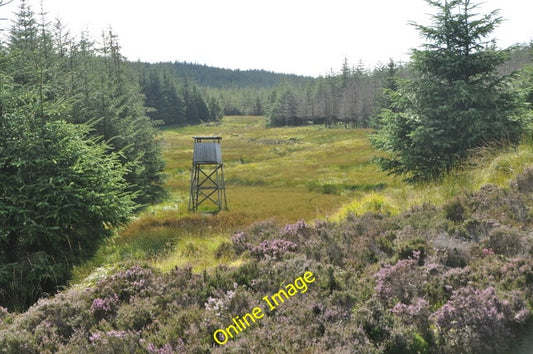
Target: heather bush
{"points": [[181, 286], [401, 282], [136, 280], [455, 209], [493, 203], [296, 232], [406, 247], [137, 314], [523, 183], [113, 341], [263, 230], [48, 324], [102, 308], [173, 327], [220, 303], [451, 251], [275, 248], [19, 341], [504, 240], [417, 312], [375, 319], [424, 217], [239, 242], [478, 321]]}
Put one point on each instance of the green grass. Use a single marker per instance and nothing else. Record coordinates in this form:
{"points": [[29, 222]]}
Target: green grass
{"points": [[281, 174]]}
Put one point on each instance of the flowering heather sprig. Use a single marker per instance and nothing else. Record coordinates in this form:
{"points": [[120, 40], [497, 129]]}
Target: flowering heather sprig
{"points": [[240, 242], [220, 304], [117, 334], [101, 307], [417, 311], [166, 349], [488, 251], [239, 237], [100, 338], [273, 248], [292, 230], [400, 282]]}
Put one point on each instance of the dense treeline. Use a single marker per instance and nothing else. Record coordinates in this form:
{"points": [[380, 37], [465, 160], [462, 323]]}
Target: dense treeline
{"points": [[354, 96], [174, 99], [185, 93], [348, 98], [207, 76], [78, 154]]}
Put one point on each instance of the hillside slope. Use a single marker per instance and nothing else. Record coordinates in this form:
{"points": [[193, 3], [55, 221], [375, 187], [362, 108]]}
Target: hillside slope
{"points": [[207, 76]]}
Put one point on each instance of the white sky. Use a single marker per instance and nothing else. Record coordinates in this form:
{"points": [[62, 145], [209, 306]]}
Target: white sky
{"points": [[305, 37]]}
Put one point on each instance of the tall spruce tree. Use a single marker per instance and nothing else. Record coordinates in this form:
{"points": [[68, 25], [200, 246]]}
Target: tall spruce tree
{"points": [[457, 102]]}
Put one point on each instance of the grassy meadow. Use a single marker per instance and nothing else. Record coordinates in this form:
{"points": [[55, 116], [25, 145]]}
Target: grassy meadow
{"points": [[284, 175]]}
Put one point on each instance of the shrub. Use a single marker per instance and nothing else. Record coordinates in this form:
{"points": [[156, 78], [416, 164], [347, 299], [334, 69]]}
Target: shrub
{"points": [[493, 203], [406, 248], [504, 240], [454, 210], [135, 280], [113, 341], [239, 242], [477, 321], [101, 308], [273, 248], [415, 313], [401, 282], [293, 232], [523, 183], [137, 314]]}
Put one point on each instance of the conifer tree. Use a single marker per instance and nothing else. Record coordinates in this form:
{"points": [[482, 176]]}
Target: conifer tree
{"points": [[458, 100]]}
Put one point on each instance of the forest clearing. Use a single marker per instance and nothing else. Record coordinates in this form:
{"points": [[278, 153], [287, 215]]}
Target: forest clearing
{"points": [[281, 175], [278, 174], [375, 211]]}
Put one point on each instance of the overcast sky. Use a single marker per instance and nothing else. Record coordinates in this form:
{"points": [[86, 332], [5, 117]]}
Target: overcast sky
{"points": [[305, 37]]}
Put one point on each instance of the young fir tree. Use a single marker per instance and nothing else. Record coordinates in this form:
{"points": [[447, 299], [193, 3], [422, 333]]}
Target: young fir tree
{"points": [[458, 100]]}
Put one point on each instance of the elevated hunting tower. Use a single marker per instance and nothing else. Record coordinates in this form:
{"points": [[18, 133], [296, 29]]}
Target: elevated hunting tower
{"points": [[207, 174]]}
